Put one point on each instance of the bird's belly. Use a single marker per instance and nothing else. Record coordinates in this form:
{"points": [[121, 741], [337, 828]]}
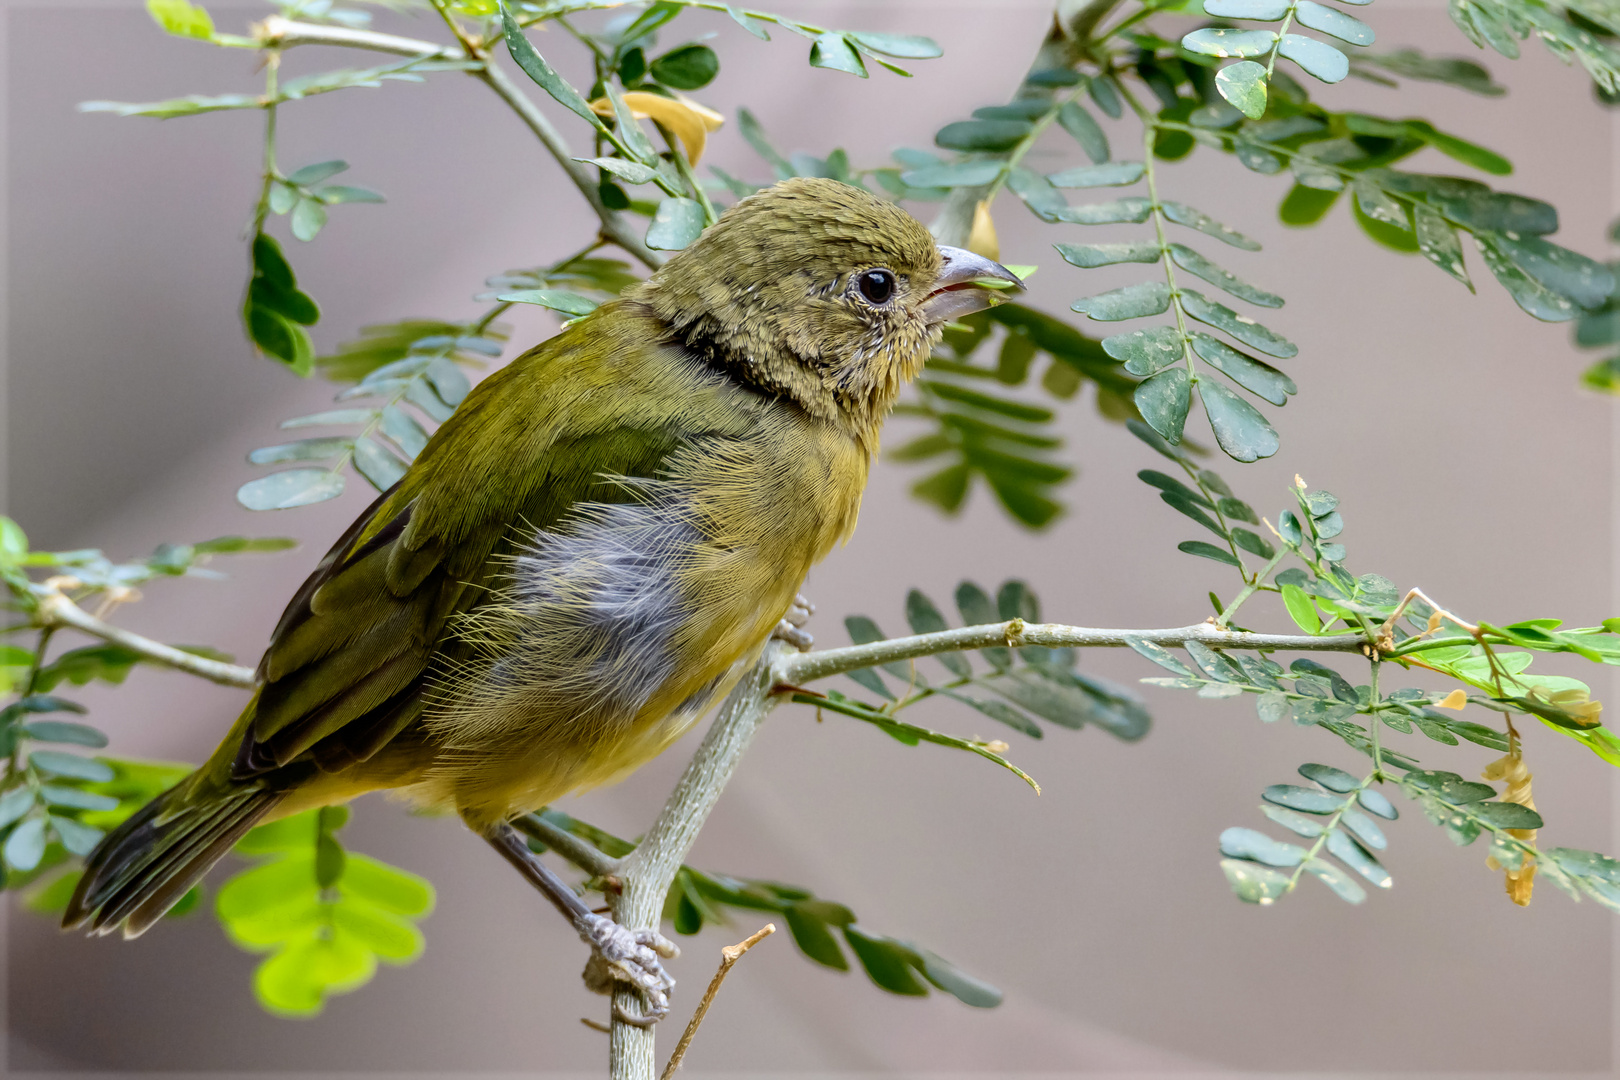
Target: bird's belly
{"points": [[612, 637]]}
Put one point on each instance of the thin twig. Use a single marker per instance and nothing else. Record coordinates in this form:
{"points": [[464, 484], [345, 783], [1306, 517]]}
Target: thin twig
{"points": [[728, 957], [284, 33], [56, 610], [801, 668], [586, 856]]}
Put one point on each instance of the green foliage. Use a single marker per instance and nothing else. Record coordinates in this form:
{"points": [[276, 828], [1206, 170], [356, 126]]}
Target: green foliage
{"points": [[1027, 685], [325, 915], [700, 899]]}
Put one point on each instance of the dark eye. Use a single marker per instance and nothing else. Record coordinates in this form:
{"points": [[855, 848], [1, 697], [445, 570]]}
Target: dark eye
{"points": [[876, 285]]}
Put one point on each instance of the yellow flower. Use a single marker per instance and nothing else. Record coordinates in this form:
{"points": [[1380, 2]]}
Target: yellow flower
{"points": [[982, 237], [686, 119], [1512, 770]]}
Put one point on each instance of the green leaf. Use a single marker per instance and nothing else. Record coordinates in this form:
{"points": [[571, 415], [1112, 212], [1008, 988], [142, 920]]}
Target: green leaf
{"points": [[1376, 803], [1331, 21], [1253, 883], [1164, 400], [903, 46], [982, 135], [1182, 214], [754, 134], [910, 734], [1548, 281], [924, 618], [535, 67], [314, 174], [1333, 877], [1159, 655], [1364, 829], [959, 984], [1197, 264], [1317, 58], [296, 980], [1301, 610], [1037, 193], [689, 67], [393, 939], [1239, 427], [181, 19], [1143, 351], [1437, 240], [1255, 376], [289, 488], [677, 223], [1074, 119], [813, 938], [631, 172], [1108, 174], [1105, 97], [954, 174], [1306, 205], [60, 731], [1461, 149], [1260, 10], [1245, 330], [77, 837], [556, 299], [1224, 43], [1130, 302], [321, 449], [1208, 551], [1506, 815], [832, 50], [388, 887], [347, 193], [886, 961], [60, 763], [76, 798], [1273, 706], [25, 847], [1257, 847], [14, 804], [1133, 211], [1244, 85]]}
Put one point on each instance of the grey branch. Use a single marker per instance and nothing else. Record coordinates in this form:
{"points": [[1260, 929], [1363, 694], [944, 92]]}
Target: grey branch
{"points": [[280, 32], [57, 610], [805, 667], [647, 873], [581, 853]]}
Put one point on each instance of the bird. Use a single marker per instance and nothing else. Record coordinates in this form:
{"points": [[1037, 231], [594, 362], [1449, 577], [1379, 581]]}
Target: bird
{"points": [[585, 556]]}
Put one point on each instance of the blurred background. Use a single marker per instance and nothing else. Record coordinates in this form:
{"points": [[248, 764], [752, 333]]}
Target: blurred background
{"points": [[1451, 425]]}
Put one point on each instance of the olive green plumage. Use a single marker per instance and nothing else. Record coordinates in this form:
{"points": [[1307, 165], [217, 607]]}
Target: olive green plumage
{"points": [[587, 554]]}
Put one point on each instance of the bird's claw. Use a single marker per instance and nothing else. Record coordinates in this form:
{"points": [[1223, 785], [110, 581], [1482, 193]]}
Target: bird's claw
{"points": [[619, 954], [791, 628]]}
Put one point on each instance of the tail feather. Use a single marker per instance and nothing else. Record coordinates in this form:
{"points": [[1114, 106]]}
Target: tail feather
{"points": [[143, 867]]}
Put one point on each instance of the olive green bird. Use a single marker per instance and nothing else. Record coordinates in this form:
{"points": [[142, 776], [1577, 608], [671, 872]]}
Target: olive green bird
{"points": [[585, 557]]}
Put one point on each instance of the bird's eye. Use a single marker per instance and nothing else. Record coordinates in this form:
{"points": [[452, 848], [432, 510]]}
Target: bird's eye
{"points": [[876, 286]]}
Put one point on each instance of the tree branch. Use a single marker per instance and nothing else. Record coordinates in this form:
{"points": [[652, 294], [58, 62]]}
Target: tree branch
{"points": [[818, 665], [581, 853], [647, 873], [56, 610], [728, 957], [284, 33]]}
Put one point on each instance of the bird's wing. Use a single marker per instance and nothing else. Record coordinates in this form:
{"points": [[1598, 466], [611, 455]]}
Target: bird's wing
{"points": [[349, 662]]}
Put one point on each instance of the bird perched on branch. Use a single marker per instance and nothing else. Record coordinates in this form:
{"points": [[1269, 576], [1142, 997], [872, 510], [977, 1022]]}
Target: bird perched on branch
{"points": [[584, 558]]}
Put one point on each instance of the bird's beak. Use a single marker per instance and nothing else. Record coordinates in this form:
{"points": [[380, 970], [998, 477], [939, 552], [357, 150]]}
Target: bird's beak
{"points": [[955, 293]]}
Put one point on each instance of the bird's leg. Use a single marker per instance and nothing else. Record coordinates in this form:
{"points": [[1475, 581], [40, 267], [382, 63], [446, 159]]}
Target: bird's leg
{"points": [[791, 628], [618, 954]]}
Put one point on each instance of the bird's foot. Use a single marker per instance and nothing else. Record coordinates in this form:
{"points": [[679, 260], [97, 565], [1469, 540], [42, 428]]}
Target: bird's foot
{"points": [[791, 628], [619, 954]]}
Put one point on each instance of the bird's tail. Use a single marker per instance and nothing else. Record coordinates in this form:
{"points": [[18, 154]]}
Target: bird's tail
{"points": [[142, 868]]}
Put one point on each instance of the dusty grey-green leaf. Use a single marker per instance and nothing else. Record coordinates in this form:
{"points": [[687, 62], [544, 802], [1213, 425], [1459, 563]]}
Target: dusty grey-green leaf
{"points": [[1130, 302], [1108, 174], [1089, 256], [1244, 329], [1182, 214], [1145, 352], [1131, 211], [1223, 43], [1331, 21], [1164, 400], [1317, 58], [1196, 264], [289, 488], [1255, 376]]}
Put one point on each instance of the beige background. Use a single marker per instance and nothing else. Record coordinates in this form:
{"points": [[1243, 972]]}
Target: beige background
{"points": [[1451, 425]]}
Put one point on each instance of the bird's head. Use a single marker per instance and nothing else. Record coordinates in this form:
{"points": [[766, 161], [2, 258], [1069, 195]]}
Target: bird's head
{"points": [[821, 293]]}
